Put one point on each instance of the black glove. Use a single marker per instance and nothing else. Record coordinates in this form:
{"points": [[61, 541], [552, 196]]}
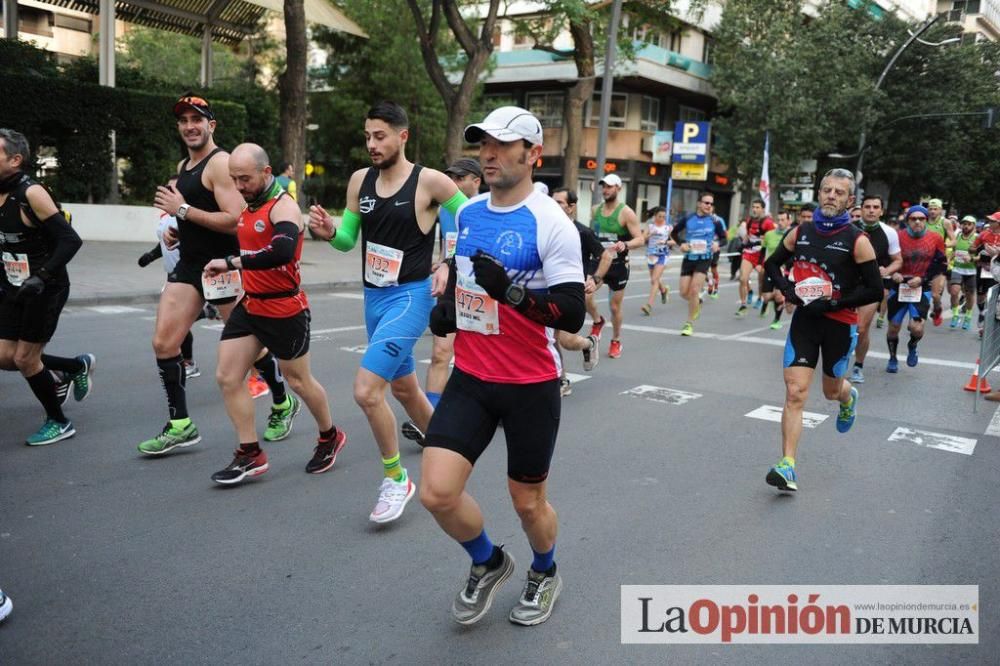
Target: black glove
{"points": [[146, 259], [491, 275], [443, 319], [791, 296], [820, 305], [30, 288]]}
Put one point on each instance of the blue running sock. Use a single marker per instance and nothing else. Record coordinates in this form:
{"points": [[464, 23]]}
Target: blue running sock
{"points": [[479, 549], [435, 398], [543, 561]]}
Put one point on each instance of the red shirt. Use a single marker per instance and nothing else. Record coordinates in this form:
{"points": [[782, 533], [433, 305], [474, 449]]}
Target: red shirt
{"points": [[254, 232]]}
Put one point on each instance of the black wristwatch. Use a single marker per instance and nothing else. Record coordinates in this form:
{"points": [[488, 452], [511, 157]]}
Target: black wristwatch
{"points": [[229, 262], [515, 294]]}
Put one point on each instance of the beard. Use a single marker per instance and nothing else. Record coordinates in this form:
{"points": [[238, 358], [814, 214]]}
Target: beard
{"points": [[831, 210], [388, 161]]}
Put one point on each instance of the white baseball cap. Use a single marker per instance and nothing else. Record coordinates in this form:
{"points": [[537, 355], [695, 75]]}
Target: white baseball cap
{"points": [[506, 124], [612, 179]]}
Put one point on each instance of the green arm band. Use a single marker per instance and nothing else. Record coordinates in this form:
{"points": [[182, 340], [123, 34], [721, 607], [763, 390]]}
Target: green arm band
{"points": [[452, 204], [347, 233]]}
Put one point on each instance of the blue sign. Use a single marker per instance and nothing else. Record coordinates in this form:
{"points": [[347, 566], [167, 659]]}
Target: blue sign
{"points": [[691, 142]]}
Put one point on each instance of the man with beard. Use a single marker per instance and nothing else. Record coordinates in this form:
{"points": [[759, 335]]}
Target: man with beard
{"points": [[273, 314], [942, 226], [207, 207], [618, 228], [834, 272], [36, 243], [394, 205]]}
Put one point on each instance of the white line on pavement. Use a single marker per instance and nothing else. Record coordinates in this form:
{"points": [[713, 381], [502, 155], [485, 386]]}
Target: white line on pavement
{"points": [[772, 413], [994, 427], [934, 440], [339, 329], [661, 394]]}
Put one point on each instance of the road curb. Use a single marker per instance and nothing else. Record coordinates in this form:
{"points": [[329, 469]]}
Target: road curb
{"points": [[147, 297]]}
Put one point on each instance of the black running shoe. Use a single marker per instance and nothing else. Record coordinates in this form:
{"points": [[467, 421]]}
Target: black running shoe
{"points": [[413, 433]]}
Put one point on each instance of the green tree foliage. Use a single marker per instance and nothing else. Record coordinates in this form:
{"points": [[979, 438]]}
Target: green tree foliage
{"points": [[807, 81], [359, 73]]}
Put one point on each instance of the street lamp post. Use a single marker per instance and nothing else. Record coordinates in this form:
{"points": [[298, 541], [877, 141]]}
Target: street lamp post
{"points": [[915, 36], [606, 84]]}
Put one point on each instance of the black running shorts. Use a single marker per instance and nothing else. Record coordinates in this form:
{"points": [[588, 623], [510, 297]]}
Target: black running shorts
{"points": [[286, 337], [186, 273], [811, 334], [470, 409], [34, 320], [617, 276], [692, 266]]}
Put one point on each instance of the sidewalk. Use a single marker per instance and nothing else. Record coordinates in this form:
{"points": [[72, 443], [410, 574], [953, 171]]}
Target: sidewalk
{"points": [[105, 272]]}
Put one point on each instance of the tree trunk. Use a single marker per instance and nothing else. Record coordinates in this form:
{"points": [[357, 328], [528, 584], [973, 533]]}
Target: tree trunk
{"points": [[576, 100], [292, 90]]}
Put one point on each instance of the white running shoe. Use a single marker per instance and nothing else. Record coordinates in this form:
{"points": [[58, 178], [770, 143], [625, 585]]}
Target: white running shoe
{"points": [[392, 499], [6, 606]]}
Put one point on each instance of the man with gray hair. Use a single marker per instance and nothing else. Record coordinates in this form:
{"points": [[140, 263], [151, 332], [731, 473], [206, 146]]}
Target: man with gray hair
{"points": [[834, 272], [273, 313], [36, 243]]}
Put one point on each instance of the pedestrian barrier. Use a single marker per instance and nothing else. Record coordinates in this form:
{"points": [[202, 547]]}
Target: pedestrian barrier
{"points": [[989, 346]]}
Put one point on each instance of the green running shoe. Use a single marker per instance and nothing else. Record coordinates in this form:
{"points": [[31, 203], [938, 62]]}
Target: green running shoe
{"points": [[82, 382], [782, 476], [687, 329], [171, 438], [279, 423], [50, 433]]}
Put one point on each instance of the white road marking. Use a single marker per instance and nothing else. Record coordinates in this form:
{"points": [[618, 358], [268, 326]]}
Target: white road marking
{"points": [[934, 440], [994, 427], [352, 296], [339, 329], [357, 349], [772, 413], [113, 309], [575, 378], [662, 394]]}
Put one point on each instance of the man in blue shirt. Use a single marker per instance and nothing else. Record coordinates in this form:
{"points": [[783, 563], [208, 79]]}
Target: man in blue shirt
{"points": [[703, 236]]}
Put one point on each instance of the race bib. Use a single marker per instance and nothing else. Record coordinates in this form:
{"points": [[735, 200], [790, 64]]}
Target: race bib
{"points": [[908, 294], [382, 264], [475, 310], [699, 246], [223, 285], [608, 243], [450, 241], [16, 268], [963, 257], [812, 288]]}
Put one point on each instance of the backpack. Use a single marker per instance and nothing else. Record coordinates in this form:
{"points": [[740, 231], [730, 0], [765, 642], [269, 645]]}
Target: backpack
{"points": [[20, 195]]}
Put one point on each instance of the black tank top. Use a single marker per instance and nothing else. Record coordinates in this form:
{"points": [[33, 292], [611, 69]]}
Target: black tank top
{"points": [[828, 255], [393, 222], [881, 244], [16, 238], [200, 244]]}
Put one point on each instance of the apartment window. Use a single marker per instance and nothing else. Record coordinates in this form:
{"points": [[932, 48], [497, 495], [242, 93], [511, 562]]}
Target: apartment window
{"points": [[617, 114], [547, 107], [523, 41], [650, 121], [72, 23], [689, 113], [708, 51], [676, 41]]}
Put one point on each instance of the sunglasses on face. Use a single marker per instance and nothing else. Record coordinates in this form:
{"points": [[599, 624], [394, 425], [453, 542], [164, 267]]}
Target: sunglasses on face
{"points": [[917, 219]]}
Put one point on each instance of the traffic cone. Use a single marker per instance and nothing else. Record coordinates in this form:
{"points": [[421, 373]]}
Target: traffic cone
{"points": [[984, 386]]}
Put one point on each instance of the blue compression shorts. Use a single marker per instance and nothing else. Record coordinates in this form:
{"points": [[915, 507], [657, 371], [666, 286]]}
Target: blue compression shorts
{"points": [[395, 317]]}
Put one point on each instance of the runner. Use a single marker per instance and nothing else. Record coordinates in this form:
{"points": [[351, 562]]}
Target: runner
{"points": [[286, 179], [986, 247], [36, 244], [703, 236], [618, 228], [207, 207], [505, 305], [856, 216], [772, 239], [752, 232], [963, 274], [394, 205], [835, 272], [273, 314], [885, 241], [596, 262], [466, 174], [937, 223], [658, 242], [713, 277], [923, 260]]}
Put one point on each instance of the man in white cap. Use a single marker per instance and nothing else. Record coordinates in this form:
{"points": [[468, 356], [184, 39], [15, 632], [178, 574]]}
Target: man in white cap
{"points": [[618, 228], [517, 275], [939, 224]]}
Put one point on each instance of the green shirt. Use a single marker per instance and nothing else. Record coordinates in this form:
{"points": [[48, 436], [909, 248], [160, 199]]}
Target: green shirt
{"points": [[964, 259], [772, 239]]}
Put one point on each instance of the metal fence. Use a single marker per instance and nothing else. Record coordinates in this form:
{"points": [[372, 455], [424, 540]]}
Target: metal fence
{"points": [[989, 346]]}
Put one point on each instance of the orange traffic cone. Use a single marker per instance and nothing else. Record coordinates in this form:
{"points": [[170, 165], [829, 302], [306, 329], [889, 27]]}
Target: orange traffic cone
{"points": [[984, 386]]}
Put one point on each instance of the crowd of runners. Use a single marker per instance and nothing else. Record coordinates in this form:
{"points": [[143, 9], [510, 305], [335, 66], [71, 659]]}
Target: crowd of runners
{"points": [[502, 274]]}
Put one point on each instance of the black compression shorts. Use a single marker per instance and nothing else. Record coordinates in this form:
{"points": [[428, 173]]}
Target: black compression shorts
{"points": [[286, 337], [470, 409], [33, 320]]}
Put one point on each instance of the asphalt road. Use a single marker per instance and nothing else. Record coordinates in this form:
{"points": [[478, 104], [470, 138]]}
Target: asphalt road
{"points": [[113, 558]]}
